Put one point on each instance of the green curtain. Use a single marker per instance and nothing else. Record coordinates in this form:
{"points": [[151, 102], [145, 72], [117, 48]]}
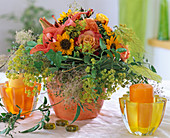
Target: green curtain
{"points": [[133, 13]]}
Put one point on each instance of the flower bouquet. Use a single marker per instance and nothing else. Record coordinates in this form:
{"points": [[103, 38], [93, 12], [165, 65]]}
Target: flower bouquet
{"points": [[81, 61]]}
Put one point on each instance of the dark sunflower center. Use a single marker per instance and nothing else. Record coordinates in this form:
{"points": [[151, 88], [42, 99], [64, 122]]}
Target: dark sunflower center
{"points": [[65, 44], [113, 46]]}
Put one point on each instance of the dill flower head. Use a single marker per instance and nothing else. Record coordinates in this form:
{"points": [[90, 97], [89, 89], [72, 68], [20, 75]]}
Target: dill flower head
{"points": [[22, 37]]}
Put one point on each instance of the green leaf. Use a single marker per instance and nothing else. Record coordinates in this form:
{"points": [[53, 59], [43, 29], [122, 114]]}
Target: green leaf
{"points": [[3, 114], [153, 69], [102, 45], [3, 131], [86, 76], [77, 114], [53, 69], [48, 113], [110, 54], [38, 65], [141, 70], [45, 100], [8, 130], [81, 106], [87, 59], [47, 118], [42, 125], [31, 43], [19, 114], [1, 105], [121, 50], [31, 129], [93, 73], [56, 58], [117, 55]]}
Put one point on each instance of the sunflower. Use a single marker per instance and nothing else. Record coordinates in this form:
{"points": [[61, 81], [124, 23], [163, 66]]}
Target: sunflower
{"points": [[113, 43], [108, 30], [64, 44], [64, 15]]}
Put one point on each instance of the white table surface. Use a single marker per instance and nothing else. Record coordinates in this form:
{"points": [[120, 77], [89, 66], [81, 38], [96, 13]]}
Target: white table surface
{"points": [[108, 124]]}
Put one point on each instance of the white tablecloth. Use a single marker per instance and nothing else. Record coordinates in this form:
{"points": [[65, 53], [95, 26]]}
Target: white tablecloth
{"points": [[108, 124]]}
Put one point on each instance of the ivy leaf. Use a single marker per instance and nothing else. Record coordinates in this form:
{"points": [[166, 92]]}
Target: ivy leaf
{"points": [[77, 114], [102, 45], [121, 50], [144, 71], [38, 65], [31, 129], [55, 57]]}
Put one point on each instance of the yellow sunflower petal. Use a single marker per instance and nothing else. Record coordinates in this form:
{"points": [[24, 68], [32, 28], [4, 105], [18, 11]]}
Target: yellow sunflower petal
{"points": [[65, 36]]}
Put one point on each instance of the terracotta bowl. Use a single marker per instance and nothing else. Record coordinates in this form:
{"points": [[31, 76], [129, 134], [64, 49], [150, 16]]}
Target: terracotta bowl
{"points": [[68, 112]]}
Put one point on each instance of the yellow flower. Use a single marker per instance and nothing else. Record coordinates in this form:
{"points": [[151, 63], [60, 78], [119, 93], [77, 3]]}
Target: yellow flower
{"points": [[102, 18], [64, 15], [108, 30], [64, 44], [112, 43]]}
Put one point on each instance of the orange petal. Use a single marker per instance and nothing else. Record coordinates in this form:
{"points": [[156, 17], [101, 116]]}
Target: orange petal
{"points": [[44, 23]]}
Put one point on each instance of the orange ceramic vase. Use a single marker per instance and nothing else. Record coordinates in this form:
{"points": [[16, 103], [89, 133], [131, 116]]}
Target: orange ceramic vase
{"points": [[12, 96], [68, 112]]}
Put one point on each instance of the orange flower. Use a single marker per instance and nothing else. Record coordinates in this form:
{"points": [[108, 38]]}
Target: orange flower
{"points": [[108, 30], [91, 25], [89, 37]]}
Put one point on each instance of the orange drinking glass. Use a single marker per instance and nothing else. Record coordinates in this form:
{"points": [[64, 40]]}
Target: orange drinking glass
{"points": [[16, 96]]}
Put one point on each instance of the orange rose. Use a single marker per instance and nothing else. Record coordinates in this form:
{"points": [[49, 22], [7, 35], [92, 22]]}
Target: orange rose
{"points": [[89, 37], [91, 25]]}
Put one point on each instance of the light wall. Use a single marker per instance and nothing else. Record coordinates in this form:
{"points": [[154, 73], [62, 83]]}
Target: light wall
{"points": [[159, 57], [108, 7]]}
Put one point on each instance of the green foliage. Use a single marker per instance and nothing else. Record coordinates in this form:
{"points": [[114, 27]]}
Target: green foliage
{"points": [[55, 57], [127, 37], [45, 110], [11, 119], [77, 114], [102, 45], [141, 70]]}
